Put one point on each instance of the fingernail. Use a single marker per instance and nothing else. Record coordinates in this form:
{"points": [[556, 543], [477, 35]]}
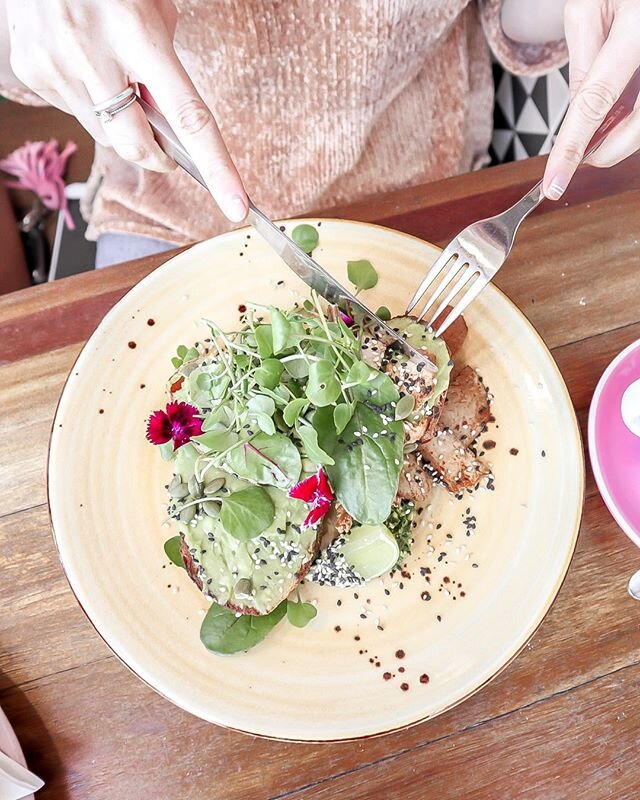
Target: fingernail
{"points": [[234, 208], [555, 190]]}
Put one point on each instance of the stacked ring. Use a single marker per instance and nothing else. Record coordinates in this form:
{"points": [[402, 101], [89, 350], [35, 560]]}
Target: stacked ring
{"points": [[107, 110]]}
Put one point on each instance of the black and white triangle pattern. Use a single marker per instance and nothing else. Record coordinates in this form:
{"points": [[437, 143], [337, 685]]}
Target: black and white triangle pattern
{"points": [[527, 113]]}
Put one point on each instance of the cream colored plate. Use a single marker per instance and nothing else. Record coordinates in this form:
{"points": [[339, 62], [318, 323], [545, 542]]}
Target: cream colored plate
{"points": [[107, 498]]}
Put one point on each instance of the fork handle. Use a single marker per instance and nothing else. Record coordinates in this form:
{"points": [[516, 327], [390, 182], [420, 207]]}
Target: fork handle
{"points": [[619, 111]]}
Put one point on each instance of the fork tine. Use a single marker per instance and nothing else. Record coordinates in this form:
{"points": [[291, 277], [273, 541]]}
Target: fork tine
{"points": [[441, 285], [438, 265], [470, 295], [467, 271]]}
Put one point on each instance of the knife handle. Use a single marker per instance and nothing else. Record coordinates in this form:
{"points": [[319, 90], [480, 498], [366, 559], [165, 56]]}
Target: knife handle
{"points": [[166, 138]]}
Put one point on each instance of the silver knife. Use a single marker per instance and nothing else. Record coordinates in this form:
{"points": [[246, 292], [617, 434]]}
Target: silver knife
{"points": [[308, 270]]}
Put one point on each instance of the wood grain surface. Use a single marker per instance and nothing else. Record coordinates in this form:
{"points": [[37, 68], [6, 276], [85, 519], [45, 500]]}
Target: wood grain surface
{"points": [[562, 721]]}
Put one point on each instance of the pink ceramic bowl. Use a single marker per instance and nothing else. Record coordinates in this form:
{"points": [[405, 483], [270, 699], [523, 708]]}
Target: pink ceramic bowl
{"points": [[613, 448]]}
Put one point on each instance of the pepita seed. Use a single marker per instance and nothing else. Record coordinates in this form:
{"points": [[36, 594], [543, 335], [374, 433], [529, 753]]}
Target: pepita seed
{"points": [[174, 483], [211, 508], [194, 486], [243, 587], [187, 514], [179, 491], [214, 486]]}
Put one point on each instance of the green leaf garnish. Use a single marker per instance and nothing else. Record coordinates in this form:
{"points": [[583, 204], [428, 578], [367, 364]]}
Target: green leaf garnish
{"points": [[323, 387], [269, 373], [313, 450], [383, 313], [224, 633], [247, 513], [341, 415], [366, 470], [306, 237], [299, 613], [167, 453], [217, 440], [182, 351], [377, 392], [172, 550], [360, 373], [280, 330], [362, 274], [267, 459], [262, 404], [264, 340], [293, 409]]}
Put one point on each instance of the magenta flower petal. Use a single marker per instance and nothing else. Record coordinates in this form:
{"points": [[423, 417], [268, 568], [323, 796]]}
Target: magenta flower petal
{"points": [[315, 491], [348, 321], [158, 428], [178, 423], [305, 490], [316, 514]]}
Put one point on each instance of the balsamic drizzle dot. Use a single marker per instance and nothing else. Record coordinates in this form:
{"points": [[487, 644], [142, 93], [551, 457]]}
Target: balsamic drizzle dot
{"points": [[132, 346], [151, 322]]}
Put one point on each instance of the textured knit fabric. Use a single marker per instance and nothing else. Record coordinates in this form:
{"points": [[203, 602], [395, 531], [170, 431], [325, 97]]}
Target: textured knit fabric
{"points": [[322, 104]]}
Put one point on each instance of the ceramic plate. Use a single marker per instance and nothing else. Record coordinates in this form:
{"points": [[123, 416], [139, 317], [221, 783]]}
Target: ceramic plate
{"points": [[614, 450], [399, 650]]}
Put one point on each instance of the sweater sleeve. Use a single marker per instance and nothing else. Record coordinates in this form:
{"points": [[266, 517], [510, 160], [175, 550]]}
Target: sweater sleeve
{"points": [[518, 57], [23, 96]]}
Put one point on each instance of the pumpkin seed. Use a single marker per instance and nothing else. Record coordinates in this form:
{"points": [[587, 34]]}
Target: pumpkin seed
{"points": [[187, 514], [410, 447], [194, 486], [243, 588], [211, 508], [179, 491], [214, 486]]}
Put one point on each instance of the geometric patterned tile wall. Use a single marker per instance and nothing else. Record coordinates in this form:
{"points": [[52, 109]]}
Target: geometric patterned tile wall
{"points": [[527, 113]]}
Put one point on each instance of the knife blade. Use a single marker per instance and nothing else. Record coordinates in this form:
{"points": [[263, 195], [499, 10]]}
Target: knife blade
{"points": [[308, 270]]}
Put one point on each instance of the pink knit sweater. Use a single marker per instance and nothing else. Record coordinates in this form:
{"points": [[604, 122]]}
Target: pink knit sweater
{"points": [[322, 103]]}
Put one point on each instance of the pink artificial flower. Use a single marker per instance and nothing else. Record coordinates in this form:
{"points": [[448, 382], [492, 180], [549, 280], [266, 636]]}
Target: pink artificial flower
{"points": [[315, 491], [178, 422], [39, 166], [348, 321]]}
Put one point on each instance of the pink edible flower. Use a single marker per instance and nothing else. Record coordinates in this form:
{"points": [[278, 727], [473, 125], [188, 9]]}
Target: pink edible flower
{"points": [[348, 321], [178, 423], [315, 491], [39, 166]]}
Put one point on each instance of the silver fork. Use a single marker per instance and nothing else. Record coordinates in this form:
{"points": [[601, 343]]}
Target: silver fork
{"points": [[469, 262]]}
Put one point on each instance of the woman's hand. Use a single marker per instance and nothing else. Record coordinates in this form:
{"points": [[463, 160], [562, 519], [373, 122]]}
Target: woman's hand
{"points": [[79, 53], [604, 53]]}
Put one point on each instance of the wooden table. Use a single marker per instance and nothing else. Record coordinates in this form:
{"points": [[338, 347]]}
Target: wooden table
{"points": [[563, 721]]}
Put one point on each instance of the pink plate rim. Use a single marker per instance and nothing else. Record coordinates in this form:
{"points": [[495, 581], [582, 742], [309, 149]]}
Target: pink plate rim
{"points": [[621, 520]]}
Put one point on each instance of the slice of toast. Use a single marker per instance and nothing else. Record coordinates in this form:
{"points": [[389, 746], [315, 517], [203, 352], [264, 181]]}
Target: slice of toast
{"points": [[466, 409], [194, 572], [455, 464]]}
